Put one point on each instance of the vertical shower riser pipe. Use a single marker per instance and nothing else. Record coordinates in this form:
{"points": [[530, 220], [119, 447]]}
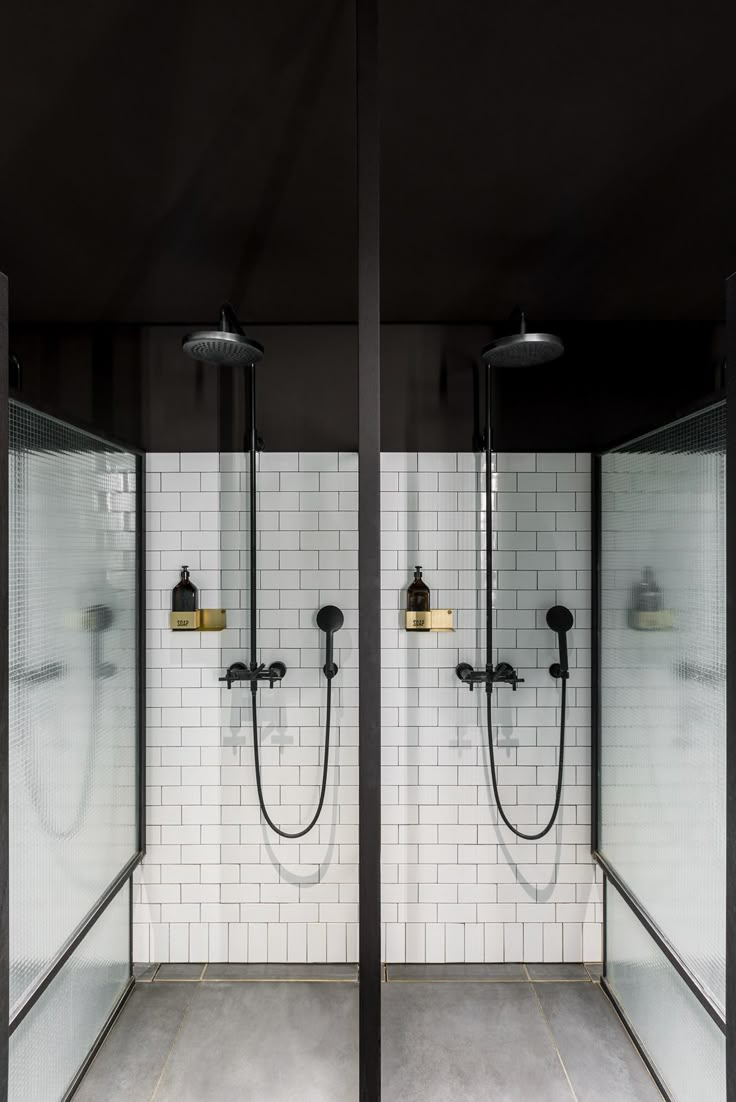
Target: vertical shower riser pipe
{"points": [[253, 528], [489, 536]]}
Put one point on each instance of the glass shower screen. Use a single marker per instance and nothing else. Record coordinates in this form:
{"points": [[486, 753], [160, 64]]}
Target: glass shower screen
{"points": [[662, 823], [73, 687]]}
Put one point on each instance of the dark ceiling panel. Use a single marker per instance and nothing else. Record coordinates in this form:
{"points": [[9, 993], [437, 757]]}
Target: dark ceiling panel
{"points": [[161, 157], [181, 154], [578, 157]]}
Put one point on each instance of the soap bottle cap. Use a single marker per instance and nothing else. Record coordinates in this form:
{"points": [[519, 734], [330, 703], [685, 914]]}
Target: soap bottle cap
{"points": [[185, 571]]}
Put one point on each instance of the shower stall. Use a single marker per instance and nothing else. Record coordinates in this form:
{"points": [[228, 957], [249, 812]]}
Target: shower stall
{"points": [[300, 843]]}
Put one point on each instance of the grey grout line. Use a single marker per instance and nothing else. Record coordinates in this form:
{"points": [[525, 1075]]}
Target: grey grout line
{"points": [[171, 1050], [180, 979], [548, 1026], [274, 979], [462, 979], [557, 979], [153, 977]]}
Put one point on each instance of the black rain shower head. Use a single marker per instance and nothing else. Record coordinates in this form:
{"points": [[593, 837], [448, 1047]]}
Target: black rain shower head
{"points": [[523, 349], [226, 345]]}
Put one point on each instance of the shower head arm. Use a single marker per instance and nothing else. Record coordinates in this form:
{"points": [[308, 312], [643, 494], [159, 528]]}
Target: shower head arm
{"points": [[229, 321]]}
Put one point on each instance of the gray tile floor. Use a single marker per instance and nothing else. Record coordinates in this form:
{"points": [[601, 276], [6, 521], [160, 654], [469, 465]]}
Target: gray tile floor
{"points": [[277, 1034]]}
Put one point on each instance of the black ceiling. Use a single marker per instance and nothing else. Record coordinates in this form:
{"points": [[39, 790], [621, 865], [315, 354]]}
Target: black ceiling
{"points": [[159, 157]]}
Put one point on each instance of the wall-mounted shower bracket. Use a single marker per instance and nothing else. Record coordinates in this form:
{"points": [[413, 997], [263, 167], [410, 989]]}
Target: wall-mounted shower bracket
{"points": [[502, 674], [254, 673]]}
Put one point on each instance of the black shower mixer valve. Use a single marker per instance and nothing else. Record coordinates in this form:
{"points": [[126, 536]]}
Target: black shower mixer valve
{"points": [[254, 673], [502, 674]]}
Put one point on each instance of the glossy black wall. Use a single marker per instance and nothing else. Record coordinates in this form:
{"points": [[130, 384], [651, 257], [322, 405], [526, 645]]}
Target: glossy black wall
{"points": [[135, 384]]}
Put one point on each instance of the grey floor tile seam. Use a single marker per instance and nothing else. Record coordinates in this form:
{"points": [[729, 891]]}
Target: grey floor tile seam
{"points": [[265, 979], [431, 974], [142, 976], [178, 979], [553, 1039], [557, 979], [525, 976], [174, 1043]]}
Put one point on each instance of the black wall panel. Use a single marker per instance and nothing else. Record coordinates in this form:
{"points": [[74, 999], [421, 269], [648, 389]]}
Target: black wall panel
{"points": [[135, 384]]}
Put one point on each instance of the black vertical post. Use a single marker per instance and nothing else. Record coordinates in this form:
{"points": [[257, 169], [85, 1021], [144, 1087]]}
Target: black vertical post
{"points": [[140, 617], [4, 853], [731, 697], [595, 684], [369, 553]]}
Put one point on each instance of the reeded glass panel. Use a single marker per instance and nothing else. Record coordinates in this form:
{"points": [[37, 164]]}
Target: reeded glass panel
{"points": [[682, 1041], [663, 690], [72, 752], [53, 1040]]}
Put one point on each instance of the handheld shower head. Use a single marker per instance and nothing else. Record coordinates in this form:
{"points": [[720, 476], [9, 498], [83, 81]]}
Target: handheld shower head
{"points": [[560, 620], [330, 619], [523, 349], [226, 345]]}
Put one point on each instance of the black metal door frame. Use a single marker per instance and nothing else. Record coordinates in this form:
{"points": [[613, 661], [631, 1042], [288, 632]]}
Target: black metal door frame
{"points": [[730, 699], [4, 850]]}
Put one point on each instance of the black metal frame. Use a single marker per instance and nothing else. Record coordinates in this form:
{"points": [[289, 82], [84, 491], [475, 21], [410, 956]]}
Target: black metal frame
{"points": [[73, 942], [369, 550], [101, 1036], [661, 942], [4, 851], [635, 1040], [609, 873], [731, 703], [126, 873]]}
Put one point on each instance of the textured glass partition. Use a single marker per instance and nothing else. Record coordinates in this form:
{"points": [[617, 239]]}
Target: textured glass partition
{"points": [[686, 1047], [72, 752], [52, 1041], [663, 691]]}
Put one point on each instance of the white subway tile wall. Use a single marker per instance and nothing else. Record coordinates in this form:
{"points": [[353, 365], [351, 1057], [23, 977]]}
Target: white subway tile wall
{"points": [[216, 884], [456, 886]]}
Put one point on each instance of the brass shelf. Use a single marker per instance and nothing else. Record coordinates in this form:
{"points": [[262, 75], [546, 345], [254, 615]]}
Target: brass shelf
{"points": [[437, 619], [204, 619]]}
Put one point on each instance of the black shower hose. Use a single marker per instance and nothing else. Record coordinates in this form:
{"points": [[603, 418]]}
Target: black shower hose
{"points": [[257, 760], [558, 791]]}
